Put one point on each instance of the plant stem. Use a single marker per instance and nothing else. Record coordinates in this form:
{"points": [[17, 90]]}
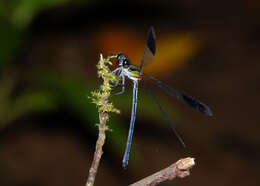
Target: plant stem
{"points": [[100, 98], [98, 153], [179, 169]]}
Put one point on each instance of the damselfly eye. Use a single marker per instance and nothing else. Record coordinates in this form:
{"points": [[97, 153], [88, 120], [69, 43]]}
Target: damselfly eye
{"points": [[122, 60], [125, 63]]}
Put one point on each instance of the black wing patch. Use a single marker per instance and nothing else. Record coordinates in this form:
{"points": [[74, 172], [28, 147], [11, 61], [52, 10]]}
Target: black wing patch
{"points": [[192, 102], [149, 49], [151, 40], [199, 106]]}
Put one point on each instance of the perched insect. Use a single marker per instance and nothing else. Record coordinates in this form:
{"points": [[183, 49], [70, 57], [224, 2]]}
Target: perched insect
{"points": [[134, 73]]}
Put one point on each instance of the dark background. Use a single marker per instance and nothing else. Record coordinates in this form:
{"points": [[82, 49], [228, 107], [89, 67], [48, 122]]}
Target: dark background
{"points": [[49, 51]]}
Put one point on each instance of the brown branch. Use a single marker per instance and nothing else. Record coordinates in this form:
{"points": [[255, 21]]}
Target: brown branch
{"points": [[100, 98], [98, 153], [179, 169]]}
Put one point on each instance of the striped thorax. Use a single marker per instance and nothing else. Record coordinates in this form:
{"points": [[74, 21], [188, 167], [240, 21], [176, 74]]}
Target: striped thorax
{"points": [[133, 72]]}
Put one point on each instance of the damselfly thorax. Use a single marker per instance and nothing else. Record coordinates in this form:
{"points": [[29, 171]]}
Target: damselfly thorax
{"points": [[133, 72]]}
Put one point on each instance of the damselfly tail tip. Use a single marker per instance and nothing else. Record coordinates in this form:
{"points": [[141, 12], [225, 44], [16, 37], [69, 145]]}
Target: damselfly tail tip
{"points": [[181, 140], [124, 164], [183, 144]]}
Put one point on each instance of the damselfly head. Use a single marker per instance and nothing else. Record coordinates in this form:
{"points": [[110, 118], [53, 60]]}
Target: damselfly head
{"points": [[122, 61]]}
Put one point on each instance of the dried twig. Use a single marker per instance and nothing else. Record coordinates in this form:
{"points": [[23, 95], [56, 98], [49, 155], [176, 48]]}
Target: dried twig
{"points": [[179, 169], [100, 98]]}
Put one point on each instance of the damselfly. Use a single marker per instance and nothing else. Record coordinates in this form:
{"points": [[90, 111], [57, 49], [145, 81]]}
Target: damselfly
{"points": [[135, 73]]}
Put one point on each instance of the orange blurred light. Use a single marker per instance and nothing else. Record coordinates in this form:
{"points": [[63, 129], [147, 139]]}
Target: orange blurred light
{"points": [[173, 50]]}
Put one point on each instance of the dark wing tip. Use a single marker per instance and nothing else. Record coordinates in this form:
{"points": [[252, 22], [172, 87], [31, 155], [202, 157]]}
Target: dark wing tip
{"points": [[199, 106], [205, 109], [151, 40]]}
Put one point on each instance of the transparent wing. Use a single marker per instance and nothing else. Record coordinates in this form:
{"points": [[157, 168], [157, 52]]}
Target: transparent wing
{"points": [[165, 116], [192, 102], [149, 49]]}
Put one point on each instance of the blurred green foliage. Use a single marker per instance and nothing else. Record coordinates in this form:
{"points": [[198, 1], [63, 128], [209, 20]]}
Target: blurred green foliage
{"points": [[15, 16], [10, 38], [21, 12]]}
